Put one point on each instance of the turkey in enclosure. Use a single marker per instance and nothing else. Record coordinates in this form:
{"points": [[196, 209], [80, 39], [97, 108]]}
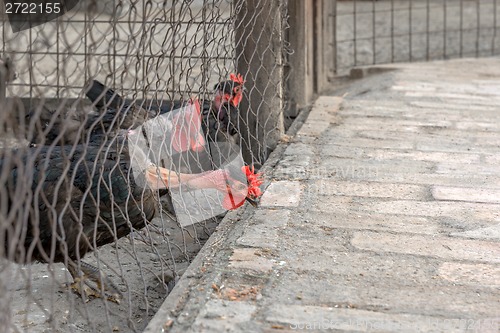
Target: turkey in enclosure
{"points": [[191, 151], [219, 116], [80, 197], [65, 123]]}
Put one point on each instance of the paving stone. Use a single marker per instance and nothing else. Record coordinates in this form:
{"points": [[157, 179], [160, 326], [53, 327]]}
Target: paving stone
{"points": [[493, 159], [259, 236], [249, 259], [369, 143], [414, 135], [487, 233], [306, 139], [361, 168], [323, 114], [471, 274], [393, 285], [326, 204], [299, 148], [477, 126], [454, 148], [272, 218], [406, 126], [356, 123], [486, 89], [308, 317], [453, 106], [459, 210], [325, 106], [466, 194], [223, 316], [403, 154], [313, 128], [457, 98], [452, 133], [402, 176], [282, 194], [470, 170], [417, 135], [373, 221], [264, 232], [292, 167], [343, 151], [438, 247], [313, 241], [384, 154], [332, 187]]}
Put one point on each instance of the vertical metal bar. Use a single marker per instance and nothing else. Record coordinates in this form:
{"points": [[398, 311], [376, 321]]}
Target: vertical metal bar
{"points": [[316, 47], [86, 71], [428, 32], [374, 26], [410, 31], [354, 14], [204, 54], [493, 41], [31, 65], [144, 63], [335, 46], [115, 51], [4, 37], [3, 80], [58, 55], [172, 62], [444, 28], [478, 20], [461, 28], [392, 31]]}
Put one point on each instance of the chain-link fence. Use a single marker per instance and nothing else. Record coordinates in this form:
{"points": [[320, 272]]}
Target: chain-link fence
{"points": [[125, 127], [387, 31], [121, 129]]}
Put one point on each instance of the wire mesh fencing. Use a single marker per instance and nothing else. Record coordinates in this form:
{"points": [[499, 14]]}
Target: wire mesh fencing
{"points": [[387, 31], [121, 138]]}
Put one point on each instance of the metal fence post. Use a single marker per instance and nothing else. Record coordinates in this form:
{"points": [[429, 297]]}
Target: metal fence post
{"points": [[301, 61], [3, 80], [324, 37], [312, 39], [259, 58]]}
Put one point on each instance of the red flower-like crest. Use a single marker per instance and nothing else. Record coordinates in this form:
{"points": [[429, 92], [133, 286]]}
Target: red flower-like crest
{"points": [[237, 78], [254, 180]]}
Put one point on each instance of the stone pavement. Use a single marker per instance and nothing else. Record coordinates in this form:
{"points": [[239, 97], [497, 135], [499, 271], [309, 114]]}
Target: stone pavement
{"points": [[382, 215]]}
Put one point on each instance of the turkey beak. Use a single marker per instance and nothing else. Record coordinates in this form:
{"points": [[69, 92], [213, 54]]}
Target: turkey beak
{"points": [[252, 202]]}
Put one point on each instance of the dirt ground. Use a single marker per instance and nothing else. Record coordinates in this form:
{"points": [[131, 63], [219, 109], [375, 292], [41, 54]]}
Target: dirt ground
{"points": [[34, 298]]}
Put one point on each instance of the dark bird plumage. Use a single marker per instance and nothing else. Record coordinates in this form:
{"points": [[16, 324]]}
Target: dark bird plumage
{"points": [[63, 123], [81, 197], [80, 185], [70, 180], [219, 116]]}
